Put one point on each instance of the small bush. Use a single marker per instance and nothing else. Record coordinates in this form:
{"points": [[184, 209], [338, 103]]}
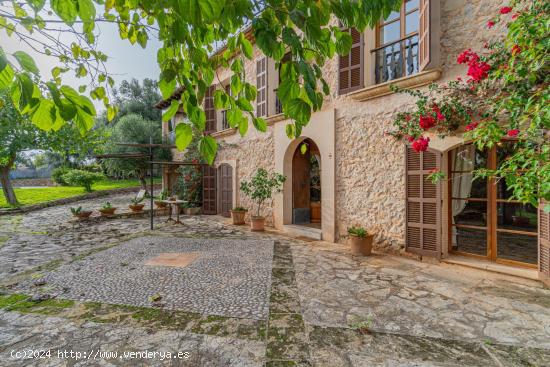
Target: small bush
{"points": [[239, 209], [82, 178], [57, 175]]}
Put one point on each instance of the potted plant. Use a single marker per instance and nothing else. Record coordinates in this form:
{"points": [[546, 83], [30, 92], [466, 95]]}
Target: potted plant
{"points": [[136, 205], [81, 214], [162, 196], [259, 189], [237, 215], [360, 240], [107, 210]]}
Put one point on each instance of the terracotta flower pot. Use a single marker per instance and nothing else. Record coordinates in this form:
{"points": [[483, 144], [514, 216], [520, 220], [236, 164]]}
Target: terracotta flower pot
{"points": [[136, 208], [107, 212], [361, 245], [83, 215], [160, 204], [238, 216], [257, 223]]}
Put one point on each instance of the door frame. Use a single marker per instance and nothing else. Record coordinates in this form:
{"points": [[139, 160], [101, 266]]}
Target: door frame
{"points": [[492, 223]]}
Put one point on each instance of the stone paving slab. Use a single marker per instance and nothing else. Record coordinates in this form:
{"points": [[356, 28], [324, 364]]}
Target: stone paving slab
{"points": [[407, 297], [56, 334], [228, 278]]}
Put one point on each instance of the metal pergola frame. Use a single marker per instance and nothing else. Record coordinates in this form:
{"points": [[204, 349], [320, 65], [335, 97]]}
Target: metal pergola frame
{"points": [[151, 162]]}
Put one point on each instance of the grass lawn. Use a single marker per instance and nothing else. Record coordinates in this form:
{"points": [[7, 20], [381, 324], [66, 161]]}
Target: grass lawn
{"points": [[39, 195]]}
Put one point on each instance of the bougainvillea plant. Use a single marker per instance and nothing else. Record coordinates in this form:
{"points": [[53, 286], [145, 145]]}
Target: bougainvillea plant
{"points": [[504, 96]]}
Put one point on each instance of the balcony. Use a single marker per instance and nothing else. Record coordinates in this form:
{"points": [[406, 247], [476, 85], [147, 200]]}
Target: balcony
{"points": [[396, 60]]}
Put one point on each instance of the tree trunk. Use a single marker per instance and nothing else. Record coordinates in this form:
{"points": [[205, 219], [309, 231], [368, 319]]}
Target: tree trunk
{"points": [[7, 187]]}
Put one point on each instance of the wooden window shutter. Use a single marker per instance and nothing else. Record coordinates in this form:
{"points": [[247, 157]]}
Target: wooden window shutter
{"points": [[261, 87], [424, 35], [544, 242], [350, 67], [423, 204], [209, 194], [209, 110]]}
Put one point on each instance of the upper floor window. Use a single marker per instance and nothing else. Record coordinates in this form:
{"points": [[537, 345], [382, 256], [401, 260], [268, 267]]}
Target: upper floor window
{"points": [[397, 43], [351, 66], [225, 122], [209, 110]]}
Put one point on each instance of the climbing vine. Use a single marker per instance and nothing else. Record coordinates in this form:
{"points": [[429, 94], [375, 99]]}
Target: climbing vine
{"points": [[504, 96]]}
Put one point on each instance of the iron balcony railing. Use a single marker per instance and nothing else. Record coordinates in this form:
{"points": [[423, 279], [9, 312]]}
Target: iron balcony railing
{"points": [[396, 59], [278, 104]]}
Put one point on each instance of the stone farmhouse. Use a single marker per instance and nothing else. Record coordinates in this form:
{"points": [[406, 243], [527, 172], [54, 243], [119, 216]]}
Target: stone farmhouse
{"points": [[355, 174]]}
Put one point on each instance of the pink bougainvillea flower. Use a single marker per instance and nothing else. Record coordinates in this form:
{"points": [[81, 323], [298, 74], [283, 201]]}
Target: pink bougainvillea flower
{"points": [[478, 70], [490, 24], [516, 50], [438, 114], [512, 133], [467, 56], [426, 122], [410, 139], [420, 144], [505, 9], [471, 126], [515, 16]]}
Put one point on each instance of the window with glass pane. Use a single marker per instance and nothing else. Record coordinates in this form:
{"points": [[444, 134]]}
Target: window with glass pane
{"points": [[397, 45], [484, 217]]}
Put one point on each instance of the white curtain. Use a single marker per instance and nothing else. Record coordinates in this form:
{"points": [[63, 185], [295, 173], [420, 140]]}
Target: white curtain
{"points": [[463, 159]]}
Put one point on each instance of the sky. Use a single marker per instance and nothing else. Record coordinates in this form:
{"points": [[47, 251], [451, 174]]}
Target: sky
{"points": [[125, 61]]}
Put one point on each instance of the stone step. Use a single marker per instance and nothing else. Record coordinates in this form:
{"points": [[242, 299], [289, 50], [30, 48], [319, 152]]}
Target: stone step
{"points": [[296, 230]]}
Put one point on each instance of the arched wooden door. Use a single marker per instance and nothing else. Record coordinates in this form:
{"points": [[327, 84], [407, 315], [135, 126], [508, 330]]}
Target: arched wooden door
{"points": [[226, 188]]}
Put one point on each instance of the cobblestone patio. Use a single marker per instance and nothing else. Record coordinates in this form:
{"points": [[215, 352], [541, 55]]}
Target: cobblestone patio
{"points": [[229, 277], [301, 303]]}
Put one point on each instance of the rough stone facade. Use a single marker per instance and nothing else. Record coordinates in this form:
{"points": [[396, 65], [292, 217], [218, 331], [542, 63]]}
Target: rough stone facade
{"points": [[370, 178]]}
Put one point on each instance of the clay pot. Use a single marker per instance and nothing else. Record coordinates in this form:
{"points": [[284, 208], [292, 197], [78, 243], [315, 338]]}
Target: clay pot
{"points": [[136, 208], [107, 212], [257, 224], [83, 215], [361, 245], [238, 216], [160, 204]]}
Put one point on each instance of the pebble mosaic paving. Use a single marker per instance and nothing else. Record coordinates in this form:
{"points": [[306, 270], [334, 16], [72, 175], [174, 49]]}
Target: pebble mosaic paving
{"points": [[228, 277]]}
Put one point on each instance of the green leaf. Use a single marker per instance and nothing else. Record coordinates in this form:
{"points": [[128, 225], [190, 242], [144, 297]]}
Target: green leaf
{"points": [[246, 47], [260, 124], [26, 62], [299, 110], [171, 111], [184, 136], [6, 76], [221, 100], [3, 60], [45, 115], [65, 9], [86, 10], [343, 43], [208, 148], [244, 104], [243, 126], [288, 90], [211, 9], [167, 88], [111, 112]]}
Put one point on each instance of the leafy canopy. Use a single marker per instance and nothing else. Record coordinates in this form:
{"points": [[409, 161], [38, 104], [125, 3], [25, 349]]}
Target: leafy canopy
{"points": [[190, 31]]}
